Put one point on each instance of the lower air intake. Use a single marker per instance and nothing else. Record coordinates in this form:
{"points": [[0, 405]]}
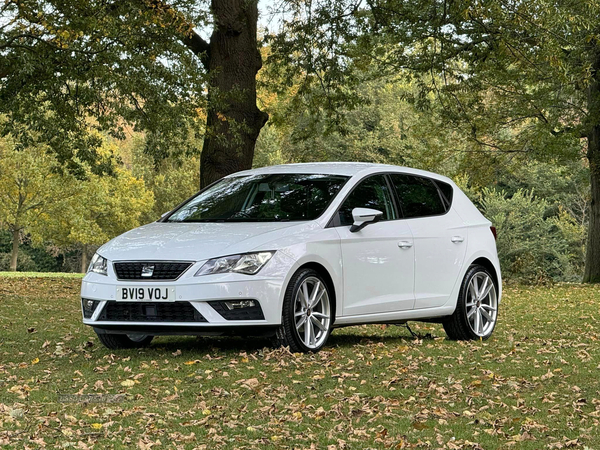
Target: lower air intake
{"points": [[150, 312]]}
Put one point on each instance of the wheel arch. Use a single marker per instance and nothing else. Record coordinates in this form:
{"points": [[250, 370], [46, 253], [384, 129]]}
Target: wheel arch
{"points": [[321, 270], [483, 261]]}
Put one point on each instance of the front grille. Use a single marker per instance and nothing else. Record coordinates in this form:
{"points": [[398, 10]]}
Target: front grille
{"points": [[150, 312], [159, 270]]}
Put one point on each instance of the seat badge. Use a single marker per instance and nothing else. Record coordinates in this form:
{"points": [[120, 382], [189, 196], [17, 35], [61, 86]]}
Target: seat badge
{"points": [[147, 270]]}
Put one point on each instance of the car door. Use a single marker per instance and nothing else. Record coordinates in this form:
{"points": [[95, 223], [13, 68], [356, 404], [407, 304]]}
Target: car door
{"points": [[378, 260], [440, 237]]}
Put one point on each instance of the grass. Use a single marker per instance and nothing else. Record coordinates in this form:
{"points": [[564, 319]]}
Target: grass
{"points": [[40, 275], [534, 385]]}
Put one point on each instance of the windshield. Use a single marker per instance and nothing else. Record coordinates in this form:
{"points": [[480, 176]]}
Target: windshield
{"points": [[262, 198]]}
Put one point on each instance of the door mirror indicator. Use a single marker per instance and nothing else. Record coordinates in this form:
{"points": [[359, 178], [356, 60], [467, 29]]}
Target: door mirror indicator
{"points": [[363, 217]]}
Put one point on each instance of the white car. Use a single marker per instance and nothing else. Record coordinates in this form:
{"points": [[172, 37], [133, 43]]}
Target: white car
{"points": [[296, 250]]}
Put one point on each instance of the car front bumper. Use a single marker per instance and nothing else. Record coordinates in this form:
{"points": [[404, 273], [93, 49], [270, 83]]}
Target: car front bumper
{"points": [[205, 294]]}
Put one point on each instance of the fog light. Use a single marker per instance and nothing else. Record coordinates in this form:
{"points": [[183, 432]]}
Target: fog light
{"points": [[238, 309], [241, 304], [89, 306]]}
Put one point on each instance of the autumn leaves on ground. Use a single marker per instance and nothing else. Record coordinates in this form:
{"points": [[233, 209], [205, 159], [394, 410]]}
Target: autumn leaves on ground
{"points": [[534, 385]]}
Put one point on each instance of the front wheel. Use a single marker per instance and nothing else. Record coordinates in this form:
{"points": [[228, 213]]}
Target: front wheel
{"points": [[477, 307], [117, 341], [307, 313]]}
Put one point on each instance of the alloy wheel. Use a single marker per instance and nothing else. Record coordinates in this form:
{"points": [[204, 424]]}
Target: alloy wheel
{"points": [[312, 312], [482, 304]]}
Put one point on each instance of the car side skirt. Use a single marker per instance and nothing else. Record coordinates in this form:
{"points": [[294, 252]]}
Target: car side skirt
{"points": [[396, 317]]}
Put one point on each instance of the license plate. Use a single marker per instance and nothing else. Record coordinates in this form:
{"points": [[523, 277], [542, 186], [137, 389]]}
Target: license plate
{"points": [[146, 294]]}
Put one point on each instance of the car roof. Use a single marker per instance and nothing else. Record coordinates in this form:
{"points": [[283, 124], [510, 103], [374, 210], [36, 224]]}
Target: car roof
{"points": [[338, 168]]}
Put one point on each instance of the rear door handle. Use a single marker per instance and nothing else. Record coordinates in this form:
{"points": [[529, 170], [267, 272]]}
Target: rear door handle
{"points": [[405, 244], [457, 239]]}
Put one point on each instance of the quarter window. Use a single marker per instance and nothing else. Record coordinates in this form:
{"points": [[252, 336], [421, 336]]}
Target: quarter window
{"points": [[418, 196], [371, 193], [447, 192]]}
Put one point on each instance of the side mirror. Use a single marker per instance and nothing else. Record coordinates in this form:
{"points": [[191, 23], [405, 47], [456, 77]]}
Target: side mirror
{"points": [[363, 217]]}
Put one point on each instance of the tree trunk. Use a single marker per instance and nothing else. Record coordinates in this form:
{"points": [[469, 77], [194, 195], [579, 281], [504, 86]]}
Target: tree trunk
{"points": [[233, 119], [15, 250], [84, 259], [592, 257]]}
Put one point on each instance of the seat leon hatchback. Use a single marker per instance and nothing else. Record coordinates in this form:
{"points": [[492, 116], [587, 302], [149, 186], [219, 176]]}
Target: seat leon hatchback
{"points": [[294, 251]]}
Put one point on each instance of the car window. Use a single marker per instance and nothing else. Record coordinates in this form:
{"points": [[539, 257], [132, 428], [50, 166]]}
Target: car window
{"points": [[370, 193], [447, 192], [262, 198], [418, 196]]}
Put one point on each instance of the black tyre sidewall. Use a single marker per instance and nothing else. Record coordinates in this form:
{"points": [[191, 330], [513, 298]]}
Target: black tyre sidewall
{"points": [[122, 341], [288, 330], [458, 326]]}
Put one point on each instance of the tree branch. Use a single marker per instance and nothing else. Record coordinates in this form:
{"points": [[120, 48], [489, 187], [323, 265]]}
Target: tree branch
{"points": [[190, 39], [198, 46]]}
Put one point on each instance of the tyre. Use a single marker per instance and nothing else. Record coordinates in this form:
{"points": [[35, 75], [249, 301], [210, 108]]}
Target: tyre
{"points": [[117, 341], [476, 311], [307, 313]]}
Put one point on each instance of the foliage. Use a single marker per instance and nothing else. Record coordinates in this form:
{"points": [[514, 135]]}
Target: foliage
{"points": [[563, 185], [24, 264], [30, 185], [31, 189], [312, 53], [530, 386], [53, 208], [171, 180], [384, 128], [67, 67], [41, 258], [512, 76], [106, 207], [533, 246]]}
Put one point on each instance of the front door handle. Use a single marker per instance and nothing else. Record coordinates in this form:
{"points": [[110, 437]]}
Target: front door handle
{"points": [[457, 239], [405, 244]]}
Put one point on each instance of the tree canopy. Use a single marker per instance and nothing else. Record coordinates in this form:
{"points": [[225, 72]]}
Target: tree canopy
{"points": [[69, 67], [487, 92]]}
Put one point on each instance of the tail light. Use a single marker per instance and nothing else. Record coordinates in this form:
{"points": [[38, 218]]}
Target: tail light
{"points": [[494, 232]]}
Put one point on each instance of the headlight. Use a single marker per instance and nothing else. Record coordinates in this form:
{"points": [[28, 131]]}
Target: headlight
{"points": [[98, 265], [249, 264]]}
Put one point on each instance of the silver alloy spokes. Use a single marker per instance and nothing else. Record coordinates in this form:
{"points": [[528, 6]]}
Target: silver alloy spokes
{"points": [[312, 312], [482, 304]]}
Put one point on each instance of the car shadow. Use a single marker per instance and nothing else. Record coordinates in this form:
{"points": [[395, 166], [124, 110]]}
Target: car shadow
{"points": [[346, 339], [237, 344], [213, 344]]}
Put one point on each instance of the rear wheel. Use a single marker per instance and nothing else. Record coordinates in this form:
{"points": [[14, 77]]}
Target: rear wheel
{"points": [[477, 307], [117, 341], [307, 313]]}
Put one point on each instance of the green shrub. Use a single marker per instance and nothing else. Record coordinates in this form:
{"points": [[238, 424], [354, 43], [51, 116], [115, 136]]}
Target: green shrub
{"points": [[24, 263], [533, 245]]}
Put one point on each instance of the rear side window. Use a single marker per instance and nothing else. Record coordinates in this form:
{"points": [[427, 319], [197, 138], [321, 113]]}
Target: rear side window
{"points": [[370, 193], [447, 192], [419, 196]]}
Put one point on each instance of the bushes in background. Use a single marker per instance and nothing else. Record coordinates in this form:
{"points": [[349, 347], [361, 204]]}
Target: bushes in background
{"points": [[535, 243]]}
